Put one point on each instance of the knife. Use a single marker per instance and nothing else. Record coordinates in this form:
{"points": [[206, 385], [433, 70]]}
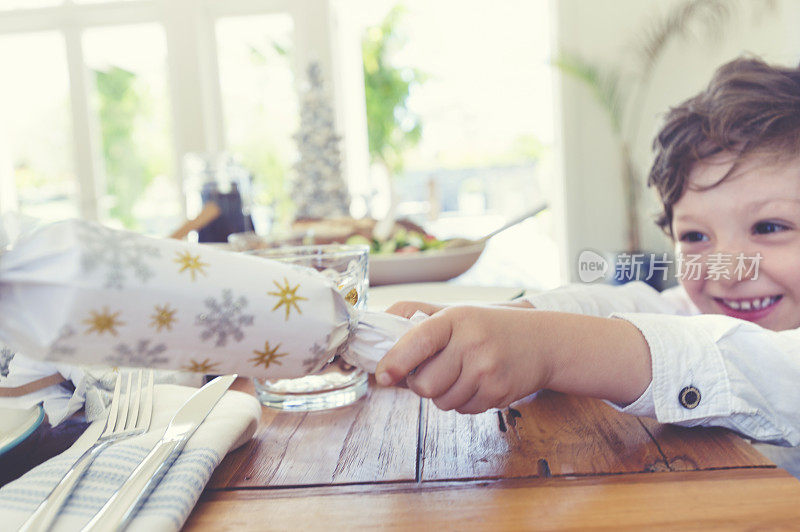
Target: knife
{"points": [[123, 505]]}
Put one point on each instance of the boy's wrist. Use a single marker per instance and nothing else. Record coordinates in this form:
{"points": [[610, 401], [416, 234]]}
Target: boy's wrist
{"points": [[603, 358]]}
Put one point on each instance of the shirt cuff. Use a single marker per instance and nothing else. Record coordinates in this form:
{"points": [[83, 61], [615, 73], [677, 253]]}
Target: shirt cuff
{"points": [[684, 356], [643, 406]]}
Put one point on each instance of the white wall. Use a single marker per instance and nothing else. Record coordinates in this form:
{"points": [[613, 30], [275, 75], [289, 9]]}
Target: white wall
{"points": [[8, 193], [602, 30]]}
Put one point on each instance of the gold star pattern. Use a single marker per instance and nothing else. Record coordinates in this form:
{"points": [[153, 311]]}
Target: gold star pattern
{"points": [[287, 296], [192, 263], [352, 297], [101, 322], [267, 356], [205, 366], [163, 318]]}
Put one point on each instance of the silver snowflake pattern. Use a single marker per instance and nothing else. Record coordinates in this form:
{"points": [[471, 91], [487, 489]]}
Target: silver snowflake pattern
{"points": [[142, 355], [6, 354], [59, 349], [224, 318], [116, 252]]}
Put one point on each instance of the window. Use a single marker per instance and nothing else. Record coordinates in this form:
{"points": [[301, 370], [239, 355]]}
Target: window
{"points": [[129, 104], [483, 97], [108, 98], [36, 127], [259, 99]]}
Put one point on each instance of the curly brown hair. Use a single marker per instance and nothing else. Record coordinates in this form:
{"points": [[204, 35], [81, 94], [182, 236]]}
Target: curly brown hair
{"points": [[749, 107]]}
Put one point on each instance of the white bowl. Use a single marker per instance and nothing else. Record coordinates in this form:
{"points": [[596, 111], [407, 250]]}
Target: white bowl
{"points": [[423, 266]]}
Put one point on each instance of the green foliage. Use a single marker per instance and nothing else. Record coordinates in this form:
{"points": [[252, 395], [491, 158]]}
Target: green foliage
{"points": [[270, 175], [392, 127], [121, 104], [527, 147], [604, 85]]}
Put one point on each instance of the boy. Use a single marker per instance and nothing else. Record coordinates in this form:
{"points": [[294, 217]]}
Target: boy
{"points": [[720, 349]]}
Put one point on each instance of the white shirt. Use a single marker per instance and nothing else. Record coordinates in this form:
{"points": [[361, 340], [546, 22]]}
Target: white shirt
{"points": [[748, 376]]}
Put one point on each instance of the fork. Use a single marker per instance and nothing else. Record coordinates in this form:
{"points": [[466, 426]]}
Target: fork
{"points": [[119, 425]]}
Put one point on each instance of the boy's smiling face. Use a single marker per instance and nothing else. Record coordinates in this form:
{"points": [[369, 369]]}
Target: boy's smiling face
{"points": [[754, 211]]}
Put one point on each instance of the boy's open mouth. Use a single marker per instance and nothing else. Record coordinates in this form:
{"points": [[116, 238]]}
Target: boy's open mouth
{"points": [[757, 304]]}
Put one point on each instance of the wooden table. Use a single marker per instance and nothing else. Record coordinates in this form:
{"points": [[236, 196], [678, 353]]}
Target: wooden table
{"points": [[553, 461], [392, 460]]}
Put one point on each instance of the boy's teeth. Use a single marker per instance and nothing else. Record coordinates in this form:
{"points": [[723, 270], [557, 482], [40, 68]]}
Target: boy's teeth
{"points": [[755, 304]]}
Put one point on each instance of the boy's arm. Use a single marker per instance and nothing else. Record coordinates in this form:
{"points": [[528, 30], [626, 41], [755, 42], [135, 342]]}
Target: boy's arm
{"points": [[706, 369], [598, 357], [743, 377], [474, 358]]}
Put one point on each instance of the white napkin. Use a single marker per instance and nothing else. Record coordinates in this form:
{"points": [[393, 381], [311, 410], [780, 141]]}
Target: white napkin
{"points": [[375, 335], [59, 402], [232, 423], [92, 387]]}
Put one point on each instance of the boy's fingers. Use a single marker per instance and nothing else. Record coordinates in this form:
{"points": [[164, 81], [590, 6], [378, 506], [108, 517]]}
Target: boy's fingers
{"points": [[417, 345], [480, 402], [436, 375], [461, 392]]}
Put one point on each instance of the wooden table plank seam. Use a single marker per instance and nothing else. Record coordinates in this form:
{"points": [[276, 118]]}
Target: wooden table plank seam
{"points": [[764, 499], [421, 435], [658, 446], [497, 483], [411, 486]]}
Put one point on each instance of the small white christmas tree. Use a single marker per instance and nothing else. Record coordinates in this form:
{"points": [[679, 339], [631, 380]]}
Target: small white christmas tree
{"points": [[318, 189]]}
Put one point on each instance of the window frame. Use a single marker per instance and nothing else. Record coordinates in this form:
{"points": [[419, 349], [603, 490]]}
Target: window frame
{"points": [[193, 81]]}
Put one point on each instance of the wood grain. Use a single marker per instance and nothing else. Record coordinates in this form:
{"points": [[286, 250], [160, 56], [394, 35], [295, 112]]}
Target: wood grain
{"points": [[553, 434], [686, 449], [708, 500], [373, 440]]}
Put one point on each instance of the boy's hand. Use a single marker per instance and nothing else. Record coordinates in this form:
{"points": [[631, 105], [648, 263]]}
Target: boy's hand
{"points": [[467, 358], [474, 358]]}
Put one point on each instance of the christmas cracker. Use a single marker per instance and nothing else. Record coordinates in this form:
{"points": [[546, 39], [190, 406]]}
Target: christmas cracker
{"points": [[78, 292]]}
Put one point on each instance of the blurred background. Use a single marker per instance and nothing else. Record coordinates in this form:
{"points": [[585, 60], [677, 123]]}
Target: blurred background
{"points": [[456, 114]]}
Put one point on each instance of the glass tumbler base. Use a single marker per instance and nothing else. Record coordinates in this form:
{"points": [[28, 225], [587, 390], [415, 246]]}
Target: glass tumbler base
{"points": [[279, 394]]}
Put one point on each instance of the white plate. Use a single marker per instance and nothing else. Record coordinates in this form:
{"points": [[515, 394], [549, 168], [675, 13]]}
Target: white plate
{"points": [[17, 425], [424, 266], [446, 293]]}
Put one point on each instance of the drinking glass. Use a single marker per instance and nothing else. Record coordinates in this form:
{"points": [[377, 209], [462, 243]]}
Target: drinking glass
{"points": [[338, 383]]}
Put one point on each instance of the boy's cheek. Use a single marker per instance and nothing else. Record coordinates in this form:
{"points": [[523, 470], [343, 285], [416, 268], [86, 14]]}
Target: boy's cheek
{"points": [[694, 289]]}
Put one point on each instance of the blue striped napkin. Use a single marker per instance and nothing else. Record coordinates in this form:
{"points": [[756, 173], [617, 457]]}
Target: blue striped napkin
{"points": [[232, 423]]}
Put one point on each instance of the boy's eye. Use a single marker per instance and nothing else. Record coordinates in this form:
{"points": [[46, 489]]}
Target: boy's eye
{"points": [[764, 228], [693, 236]]}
